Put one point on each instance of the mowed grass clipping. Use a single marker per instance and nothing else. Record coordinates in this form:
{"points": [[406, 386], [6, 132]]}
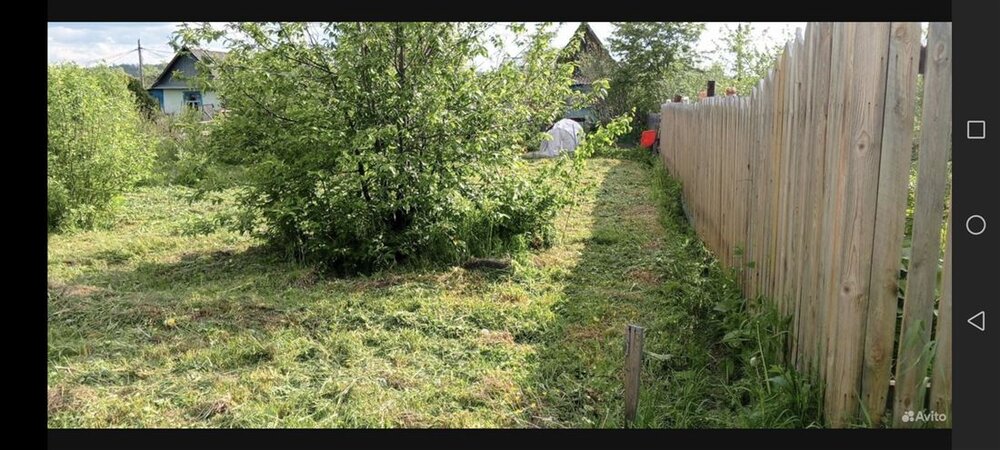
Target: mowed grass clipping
{"points": [[168, 320]]}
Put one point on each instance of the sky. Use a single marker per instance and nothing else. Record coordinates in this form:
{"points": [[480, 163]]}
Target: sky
{"points": [[90, 43]]}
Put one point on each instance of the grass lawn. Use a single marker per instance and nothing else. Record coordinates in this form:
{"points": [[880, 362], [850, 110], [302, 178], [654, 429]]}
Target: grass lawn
{"points": [[151, 325]]}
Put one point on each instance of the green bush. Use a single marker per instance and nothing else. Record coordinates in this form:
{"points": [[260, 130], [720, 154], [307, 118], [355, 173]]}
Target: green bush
{"points": [[97, 144], [58, 200], [147, 105], [368, 145], [183, 156]]}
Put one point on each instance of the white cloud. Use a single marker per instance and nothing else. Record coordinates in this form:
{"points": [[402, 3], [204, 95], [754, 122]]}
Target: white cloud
{"points": [[88, 43]]}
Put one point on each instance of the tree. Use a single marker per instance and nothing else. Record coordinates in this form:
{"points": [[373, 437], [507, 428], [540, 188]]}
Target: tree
{"points": [[372, 144], [687, 80], [747, 63], [647, 53], [97, 147]]}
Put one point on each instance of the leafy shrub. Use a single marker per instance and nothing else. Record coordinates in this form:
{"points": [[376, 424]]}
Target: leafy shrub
{"points": [[58, 201], [367, 145], [183, 156], [97, 146], [146, 104]]}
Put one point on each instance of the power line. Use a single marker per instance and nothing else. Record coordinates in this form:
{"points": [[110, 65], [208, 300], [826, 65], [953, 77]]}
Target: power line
{"points": [[107, 59], [118, 57], [158, 52]]}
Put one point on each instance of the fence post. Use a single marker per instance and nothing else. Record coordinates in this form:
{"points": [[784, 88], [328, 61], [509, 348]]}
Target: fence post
{"points": [[633, 367]]}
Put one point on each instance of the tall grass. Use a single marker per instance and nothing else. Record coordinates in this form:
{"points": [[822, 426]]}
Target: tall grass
{"points": [[745, 341]]}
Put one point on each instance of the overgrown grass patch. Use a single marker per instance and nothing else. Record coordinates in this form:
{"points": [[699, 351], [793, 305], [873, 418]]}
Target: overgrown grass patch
{"points": [[150, 326]]}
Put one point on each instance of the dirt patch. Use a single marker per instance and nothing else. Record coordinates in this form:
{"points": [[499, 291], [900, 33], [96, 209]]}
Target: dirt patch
{"points": [[385, 282], [207, 410], [644, 212], [244, 315], [490, 337], [207, 257], [654, 244], [486, 264], [511, 297], [647, 216], [147, 311], [59, 399], [394, 381], [74, 290], [220, 254], [497, 387], [584, 332], [409, 419], [644, 276], [306, 279]]}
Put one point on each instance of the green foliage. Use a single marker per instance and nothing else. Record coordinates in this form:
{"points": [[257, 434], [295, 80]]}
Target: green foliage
{"points": [[747, 63], [371, 144], [745, 340], [97, 144], [648, 53], [145, 103], [149, 74], [184, 155], [686, 80], [603, 138], [738, 62], [918, 118]]}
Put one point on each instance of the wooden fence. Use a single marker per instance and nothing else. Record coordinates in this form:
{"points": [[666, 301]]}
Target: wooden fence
{"points": [[802, 187]]}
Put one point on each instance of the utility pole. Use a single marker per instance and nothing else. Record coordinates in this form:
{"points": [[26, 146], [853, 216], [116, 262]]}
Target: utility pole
{"points": [[142, 81]]}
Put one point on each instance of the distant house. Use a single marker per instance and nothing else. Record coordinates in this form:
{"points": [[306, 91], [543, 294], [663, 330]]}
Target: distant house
{"points": [[584, 74], [173, 88]]}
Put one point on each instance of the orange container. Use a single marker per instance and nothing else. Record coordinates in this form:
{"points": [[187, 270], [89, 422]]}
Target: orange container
{"points": [[648, 138]]}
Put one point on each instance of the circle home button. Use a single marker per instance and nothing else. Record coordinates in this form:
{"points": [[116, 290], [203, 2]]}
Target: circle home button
{"points": [[975, 225]]}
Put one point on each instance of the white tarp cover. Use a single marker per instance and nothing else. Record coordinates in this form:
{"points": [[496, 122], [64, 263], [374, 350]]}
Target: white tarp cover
{"points": [[565, 137]]}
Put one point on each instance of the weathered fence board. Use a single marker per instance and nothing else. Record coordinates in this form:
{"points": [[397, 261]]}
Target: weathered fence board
{"points": [[941, 374], [890, 216]]}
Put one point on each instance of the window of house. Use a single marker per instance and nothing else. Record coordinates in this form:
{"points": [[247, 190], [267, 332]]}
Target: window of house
{"points": [[192, 99]]}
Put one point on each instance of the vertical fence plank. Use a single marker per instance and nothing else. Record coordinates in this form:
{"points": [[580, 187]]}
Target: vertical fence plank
{"points": [[798, 172], [918, 304], [941, 372], [890, 216], [732, 182], [786, 176], [818, 95], [856, 196], [743, 188], [753, 164], [839, 92], [774, 163]]}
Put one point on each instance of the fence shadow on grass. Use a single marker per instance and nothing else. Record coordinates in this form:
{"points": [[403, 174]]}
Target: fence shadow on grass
{"points": [[641, 263], [622, 277]]}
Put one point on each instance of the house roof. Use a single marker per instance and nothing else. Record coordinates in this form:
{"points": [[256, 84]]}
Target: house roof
{"points": [[592, 44], [205, 56]]}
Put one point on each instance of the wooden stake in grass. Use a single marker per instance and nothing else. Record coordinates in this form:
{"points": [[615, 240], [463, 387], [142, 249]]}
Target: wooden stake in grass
{"points": [[633, 366]]}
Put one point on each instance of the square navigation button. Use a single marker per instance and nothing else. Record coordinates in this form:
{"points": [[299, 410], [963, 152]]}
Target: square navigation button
{"points": [[975, 129]]}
